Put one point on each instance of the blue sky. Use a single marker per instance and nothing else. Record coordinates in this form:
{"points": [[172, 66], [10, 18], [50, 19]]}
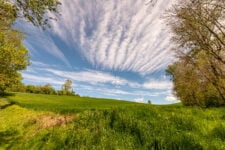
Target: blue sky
{"points": [[112, 49]]}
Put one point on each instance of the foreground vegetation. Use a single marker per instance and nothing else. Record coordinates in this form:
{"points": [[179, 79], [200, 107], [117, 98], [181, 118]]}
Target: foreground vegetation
{"points": [[64, 122]]}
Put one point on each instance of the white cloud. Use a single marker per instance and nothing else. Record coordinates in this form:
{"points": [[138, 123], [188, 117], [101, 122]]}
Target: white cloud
{"points": [[118, 35], [160, 85], [90, 76], [93, 77], [98, 77], [38, 38], [39, 64], [115, 92], [139, 100], [113, 35], [41, 79], [100, 80], [171, 98]]}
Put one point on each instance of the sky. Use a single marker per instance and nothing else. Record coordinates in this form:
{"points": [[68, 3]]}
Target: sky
{"points": [[111, 49]]}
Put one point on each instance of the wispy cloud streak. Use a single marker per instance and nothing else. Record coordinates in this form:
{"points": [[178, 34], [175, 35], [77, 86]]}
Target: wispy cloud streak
{"points": [[94, 38], [118, 35], [40, 41], [96, 78], [89, 76]]}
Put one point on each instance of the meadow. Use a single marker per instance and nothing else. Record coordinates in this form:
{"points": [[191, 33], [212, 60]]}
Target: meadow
{"points": [[31, 121]]}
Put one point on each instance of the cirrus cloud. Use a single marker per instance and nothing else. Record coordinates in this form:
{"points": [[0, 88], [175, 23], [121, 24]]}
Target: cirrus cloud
{"points": [[117, 35]]}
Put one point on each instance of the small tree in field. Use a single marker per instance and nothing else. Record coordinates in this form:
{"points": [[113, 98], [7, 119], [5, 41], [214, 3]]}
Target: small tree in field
{"points": [[67, 87]]}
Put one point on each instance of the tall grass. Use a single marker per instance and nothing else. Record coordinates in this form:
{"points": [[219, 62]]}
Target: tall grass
{"points": [[127, 126]]}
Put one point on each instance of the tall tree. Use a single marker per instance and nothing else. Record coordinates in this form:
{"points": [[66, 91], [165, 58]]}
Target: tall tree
{"points": [[193, 84], [198, 29], [13, 54], [199, 26], [67, 86], [13, 58]]}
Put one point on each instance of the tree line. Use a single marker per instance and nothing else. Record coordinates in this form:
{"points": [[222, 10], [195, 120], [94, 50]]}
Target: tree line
{"points": [[66, 89], [198, 32]]}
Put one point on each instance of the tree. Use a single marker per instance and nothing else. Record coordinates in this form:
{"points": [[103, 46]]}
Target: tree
{"points": [[192, 85], [199, 26], [13, 54], [34, 11], [47, 89], [13, 57], [31, 89], [198, 29], [67, 86], [18, 87]]}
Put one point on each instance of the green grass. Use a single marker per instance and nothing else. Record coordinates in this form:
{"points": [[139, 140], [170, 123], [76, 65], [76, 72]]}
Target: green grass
{"points": [[107, 124], [65, 104]]}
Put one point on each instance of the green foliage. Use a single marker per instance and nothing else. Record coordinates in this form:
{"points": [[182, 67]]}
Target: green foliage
{"points": [[34, 11], [47, 89], [13, 54], [66, 88], [30, 89], [192, 87], [198, 33], [108, 124], [39, 89], [7, 15], [13, 57], [19, 87]]}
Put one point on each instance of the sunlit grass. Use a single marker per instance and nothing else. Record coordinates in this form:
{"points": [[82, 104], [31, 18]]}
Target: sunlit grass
{"points": [[65, 104], [107, 124]]}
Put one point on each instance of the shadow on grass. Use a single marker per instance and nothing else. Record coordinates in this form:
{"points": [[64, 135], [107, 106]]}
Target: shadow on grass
{"points": [[8, 94], [7, 105], [5, 95], [9, 138], [5, 98]]}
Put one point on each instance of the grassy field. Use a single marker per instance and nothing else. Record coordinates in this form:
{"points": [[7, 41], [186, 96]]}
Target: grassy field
{"points": [[29, 121], [65, 104]]}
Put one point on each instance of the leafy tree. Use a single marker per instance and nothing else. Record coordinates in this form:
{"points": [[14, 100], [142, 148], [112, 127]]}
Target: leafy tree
{"points": [[13, 54], [41, 89], [30, 89], [34, 11], [67, 86], [198, 29], [199, 26], [13, 57], [192, 86], [18, 87], [47, 89]]}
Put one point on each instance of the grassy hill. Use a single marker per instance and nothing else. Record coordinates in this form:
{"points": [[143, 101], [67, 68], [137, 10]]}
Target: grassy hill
{"points": [[30, 121], [65, 104]]}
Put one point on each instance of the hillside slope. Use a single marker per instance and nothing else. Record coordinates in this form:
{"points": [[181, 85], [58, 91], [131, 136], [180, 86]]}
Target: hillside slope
{"points": [[55, 122]]}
